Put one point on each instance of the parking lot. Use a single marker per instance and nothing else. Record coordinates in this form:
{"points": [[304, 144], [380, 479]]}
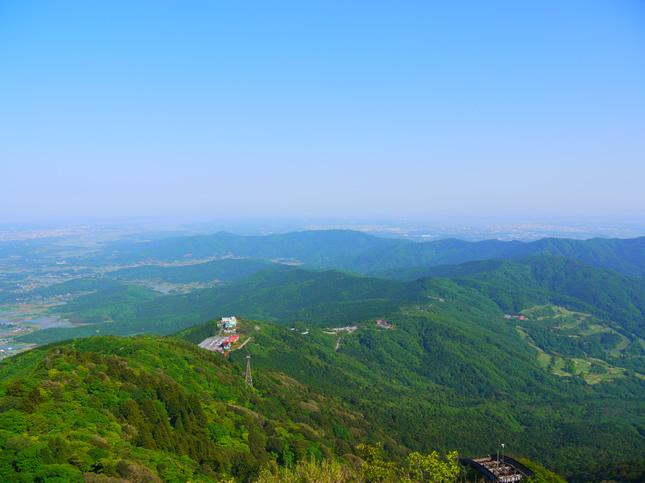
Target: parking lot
{"points": [[213, 343]]}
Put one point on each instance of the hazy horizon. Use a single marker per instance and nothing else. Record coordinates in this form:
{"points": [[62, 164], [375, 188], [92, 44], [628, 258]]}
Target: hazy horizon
{"points": [[465, 228], [355, 111]]}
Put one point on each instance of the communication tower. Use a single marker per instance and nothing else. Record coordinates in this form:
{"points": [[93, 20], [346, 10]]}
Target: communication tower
{"points": [[249, 379]]}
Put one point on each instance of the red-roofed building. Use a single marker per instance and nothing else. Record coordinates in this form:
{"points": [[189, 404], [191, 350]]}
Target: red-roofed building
{"points": [[226, 345]]}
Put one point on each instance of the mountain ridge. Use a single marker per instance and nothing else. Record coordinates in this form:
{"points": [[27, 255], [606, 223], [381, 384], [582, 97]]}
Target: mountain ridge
{"points": [[362, 253]]}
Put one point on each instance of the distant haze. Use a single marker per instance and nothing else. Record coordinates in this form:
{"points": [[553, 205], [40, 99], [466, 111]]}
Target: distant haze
{"points": [[396, 110]]}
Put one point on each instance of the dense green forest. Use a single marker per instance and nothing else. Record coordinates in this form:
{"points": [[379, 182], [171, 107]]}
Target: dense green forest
{"points": [[147, 409], [519, 284], [474, 384], [151, 409]]}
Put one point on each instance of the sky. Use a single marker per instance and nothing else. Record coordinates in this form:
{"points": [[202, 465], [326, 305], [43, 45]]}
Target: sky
{"points": [[406, 109]]}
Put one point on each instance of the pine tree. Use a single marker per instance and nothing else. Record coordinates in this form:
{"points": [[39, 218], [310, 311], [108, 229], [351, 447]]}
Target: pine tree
{"points": [[15, 389], [31, 401], [150, 411]]}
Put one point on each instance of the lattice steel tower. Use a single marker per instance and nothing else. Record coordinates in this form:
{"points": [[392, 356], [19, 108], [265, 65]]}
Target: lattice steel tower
{"points": [[249, 379]]}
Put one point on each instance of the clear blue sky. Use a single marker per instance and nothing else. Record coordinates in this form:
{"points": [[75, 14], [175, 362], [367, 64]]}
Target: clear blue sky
{"points": [[322, 108]]}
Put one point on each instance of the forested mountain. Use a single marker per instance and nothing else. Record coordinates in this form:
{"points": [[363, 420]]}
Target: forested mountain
{"points": [[521, 283], [361, 253], [516, 343], [329, 298], [625, 256], [449, 375], [150, 409], [322, 298]]}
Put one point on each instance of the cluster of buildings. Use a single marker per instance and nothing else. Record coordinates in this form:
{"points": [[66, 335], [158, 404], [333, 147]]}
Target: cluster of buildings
{"points": [[518, 317], [226, 345], [382, 324], [223, 343], [229, 324]]}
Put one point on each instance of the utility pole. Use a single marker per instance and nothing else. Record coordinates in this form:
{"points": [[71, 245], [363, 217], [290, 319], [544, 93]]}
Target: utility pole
{"points": [[249, 379]]}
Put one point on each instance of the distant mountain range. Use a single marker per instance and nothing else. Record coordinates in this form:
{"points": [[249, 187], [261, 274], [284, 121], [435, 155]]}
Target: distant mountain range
{"points": [[361, 253]]}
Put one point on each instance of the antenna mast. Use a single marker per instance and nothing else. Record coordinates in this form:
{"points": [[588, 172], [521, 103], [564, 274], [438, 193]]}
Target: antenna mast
{"points": [[249, 379]]}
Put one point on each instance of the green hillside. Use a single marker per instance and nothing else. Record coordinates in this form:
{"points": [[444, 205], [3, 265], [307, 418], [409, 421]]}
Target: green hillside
{"points": [[149, 409], [522, 283], [227, 270], [116, 302], [451, 376], [321, 298]]}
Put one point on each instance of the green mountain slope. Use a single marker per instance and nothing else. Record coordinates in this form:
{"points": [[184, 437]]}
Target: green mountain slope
{"points": [[150, 409], [450, 375], [113, 303], [227, 270], [321, 298], [522, 283]]}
